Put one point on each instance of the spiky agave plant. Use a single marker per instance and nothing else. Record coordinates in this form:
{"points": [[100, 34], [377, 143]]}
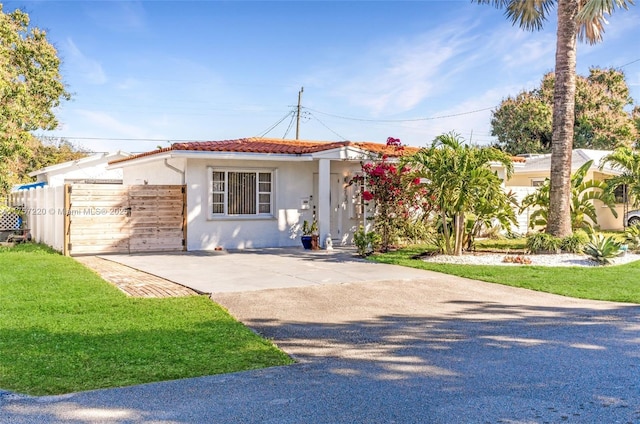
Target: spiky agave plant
{"points": [[632, 236], [603, 249]]}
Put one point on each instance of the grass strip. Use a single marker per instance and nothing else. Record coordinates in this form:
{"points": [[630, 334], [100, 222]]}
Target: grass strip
{"points": [[618, 283], [64, 329]]}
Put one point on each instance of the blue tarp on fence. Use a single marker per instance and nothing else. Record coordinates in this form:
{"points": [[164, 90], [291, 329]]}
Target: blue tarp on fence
{"points": [[30, 186]]}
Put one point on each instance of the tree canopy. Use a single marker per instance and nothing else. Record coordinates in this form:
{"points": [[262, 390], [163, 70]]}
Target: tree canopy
{"points": [[523, 124], [39, 152], [31, 86]]}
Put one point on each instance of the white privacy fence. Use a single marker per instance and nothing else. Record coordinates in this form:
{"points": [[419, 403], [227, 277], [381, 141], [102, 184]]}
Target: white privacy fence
{"points": [[44, 213], [522, 218], [98, 218]]}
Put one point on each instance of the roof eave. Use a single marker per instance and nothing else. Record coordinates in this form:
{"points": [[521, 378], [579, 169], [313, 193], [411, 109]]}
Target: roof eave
{"points": [[82, 161], [199, 154]]}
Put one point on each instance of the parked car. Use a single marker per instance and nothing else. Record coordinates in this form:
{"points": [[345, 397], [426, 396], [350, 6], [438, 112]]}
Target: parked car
{"points": [[632, 217]]}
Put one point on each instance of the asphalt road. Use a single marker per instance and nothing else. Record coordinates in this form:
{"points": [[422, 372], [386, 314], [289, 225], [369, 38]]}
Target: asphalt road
{"points": [[432, 349]]}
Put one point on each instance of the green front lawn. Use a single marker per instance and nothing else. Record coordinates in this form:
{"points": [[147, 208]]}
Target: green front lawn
{"points": [[620, 283], [64, 329]]}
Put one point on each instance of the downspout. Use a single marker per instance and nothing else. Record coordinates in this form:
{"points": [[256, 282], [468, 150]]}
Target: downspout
{"points": [[173, 168]]}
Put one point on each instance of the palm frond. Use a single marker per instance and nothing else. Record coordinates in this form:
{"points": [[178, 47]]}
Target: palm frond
{"points": [[529, 14], [591, 17]]}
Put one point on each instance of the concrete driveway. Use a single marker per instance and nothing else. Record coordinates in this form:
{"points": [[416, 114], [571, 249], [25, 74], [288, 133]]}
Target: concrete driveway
{"points": [[249, 270], [429, 349]]}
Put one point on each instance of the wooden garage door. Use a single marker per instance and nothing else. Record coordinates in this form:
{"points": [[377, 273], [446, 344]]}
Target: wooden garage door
{"points": [[104, 218]]}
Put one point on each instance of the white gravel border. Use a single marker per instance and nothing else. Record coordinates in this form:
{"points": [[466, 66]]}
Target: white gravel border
{"points": [[563, 259]]}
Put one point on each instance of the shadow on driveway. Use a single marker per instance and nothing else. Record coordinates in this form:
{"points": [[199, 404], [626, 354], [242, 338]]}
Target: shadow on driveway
{"points": [[478, 362]]}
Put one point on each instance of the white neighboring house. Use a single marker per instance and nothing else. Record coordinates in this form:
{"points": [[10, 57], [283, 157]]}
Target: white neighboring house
{"points": [[88, 170], [257, 192], [527, 177]]}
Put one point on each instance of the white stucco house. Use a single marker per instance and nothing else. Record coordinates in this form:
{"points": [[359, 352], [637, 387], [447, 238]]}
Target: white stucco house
{"points": [[88, 170], [257, 192]]}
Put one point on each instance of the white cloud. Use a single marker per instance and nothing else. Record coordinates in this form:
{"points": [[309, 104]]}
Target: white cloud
{"points": [[401, 75], [91, 70], [530, 53], [396, 77]]}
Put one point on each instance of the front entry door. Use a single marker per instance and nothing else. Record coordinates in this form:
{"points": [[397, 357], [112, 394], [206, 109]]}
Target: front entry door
{"points": [[336, 202]]}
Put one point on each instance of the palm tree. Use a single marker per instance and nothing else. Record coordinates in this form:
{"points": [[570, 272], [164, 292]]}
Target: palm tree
{"points": [[583, 193], [577, 20], [458, 177], [628, 162]]}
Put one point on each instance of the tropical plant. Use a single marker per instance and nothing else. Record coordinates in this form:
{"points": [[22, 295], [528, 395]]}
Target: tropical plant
{"points": [[583, 194], [309, 229], [491, 213], [366, 241], [603, 249], [574, 243], [461, 183], [543, 243], [627, 161], [632, 237], [577, 20]]}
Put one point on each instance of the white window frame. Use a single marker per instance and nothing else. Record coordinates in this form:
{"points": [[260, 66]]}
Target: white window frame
{"points": [[225, 215]]}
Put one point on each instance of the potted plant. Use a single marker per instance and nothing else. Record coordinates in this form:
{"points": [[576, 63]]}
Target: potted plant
{"points": [[310, 235], [314, 236], [306, 235]]}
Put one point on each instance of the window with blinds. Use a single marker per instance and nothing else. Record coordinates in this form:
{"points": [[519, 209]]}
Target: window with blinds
{"points": [[236, 193]]}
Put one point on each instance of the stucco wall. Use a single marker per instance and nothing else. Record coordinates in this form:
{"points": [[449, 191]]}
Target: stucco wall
{"points": [[156, 173], [294, 181], [525, 180]]}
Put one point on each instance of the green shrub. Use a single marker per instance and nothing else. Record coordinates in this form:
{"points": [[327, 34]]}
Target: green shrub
{"points": [[416, 231], [632, 237], [366, 242], [574, 243], [543, 243], [603, 249]]}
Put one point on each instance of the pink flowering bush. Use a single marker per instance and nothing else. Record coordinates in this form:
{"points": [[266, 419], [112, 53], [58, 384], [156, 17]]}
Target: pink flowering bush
{"points": [[396, 194]]}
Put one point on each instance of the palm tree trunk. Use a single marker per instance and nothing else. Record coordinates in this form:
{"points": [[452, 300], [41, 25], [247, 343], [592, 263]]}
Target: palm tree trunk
{"points": [[445, 232], [559, 219], [459, 233]]}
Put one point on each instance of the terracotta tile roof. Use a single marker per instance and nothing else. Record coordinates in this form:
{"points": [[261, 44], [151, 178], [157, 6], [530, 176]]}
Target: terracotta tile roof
{"points": [[271, 146]]}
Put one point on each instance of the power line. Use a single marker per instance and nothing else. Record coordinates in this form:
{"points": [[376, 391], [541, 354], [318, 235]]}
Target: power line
{"points": [[401, 120], [324, 125], [627, 64], [268, 130], [293, 119]]}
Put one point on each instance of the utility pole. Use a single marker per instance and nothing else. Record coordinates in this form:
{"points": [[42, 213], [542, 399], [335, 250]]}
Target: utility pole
{"points": [[298, 115]]}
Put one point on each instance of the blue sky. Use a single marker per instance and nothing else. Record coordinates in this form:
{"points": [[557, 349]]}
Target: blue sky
{"points": [[143, 74]]}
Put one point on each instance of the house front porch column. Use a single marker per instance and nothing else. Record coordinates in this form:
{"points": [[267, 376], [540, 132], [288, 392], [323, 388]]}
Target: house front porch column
{"points": [[324, 199]]}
